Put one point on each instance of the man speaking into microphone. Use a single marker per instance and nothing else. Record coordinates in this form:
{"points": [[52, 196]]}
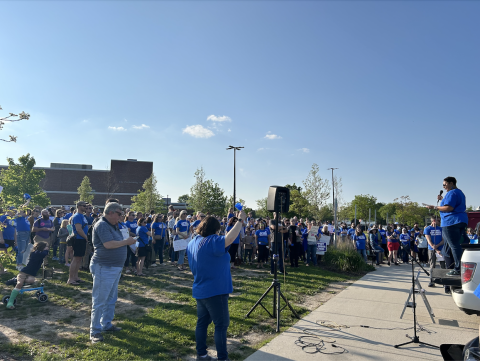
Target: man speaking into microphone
{"points": [[454, 220]]}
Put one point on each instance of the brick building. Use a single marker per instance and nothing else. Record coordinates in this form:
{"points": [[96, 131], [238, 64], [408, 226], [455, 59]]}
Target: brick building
{"points": [[124, 179]]}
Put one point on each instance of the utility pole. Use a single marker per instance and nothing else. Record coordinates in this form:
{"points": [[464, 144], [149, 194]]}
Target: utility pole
{"points": [[333, 209], [234, 170]]}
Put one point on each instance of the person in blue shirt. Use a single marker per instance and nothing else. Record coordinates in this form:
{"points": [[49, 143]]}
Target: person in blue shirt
{"points": [[235, 244], [392, 245], [434, 236], [405, 239], [142, 233], [360, 242], [262, 240], [131, 224], [351, 231], [23, 236], [80, 229], [383, 241], [375, 241], [182, 231], [230, 213], [159, 228], [473, 237], [454, 220], [9, 227], [70, 214], [212, 283]]}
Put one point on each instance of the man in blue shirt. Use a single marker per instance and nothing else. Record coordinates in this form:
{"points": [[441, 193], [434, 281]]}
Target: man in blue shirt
{"points": [[433, 234], [351, 231], [454, 220], [80, 228]]}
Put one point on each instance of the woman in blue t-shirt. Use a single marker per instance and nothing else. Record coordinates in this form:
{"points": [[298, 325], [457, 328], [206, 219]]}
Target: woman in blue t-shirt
{"points": [[405, 239], [212, 283], [158, 230], [360, 242], [262, 238], [234, 246], [142, 234], [182, 231], [392, 245]]}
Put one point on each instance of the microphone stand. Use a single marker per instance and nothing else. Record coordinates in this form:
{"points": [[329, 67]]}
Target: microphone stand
{"points": [[415, 338]]}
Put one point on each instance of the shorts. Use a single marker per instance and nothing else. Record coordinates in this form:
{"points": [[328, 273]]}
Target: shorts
{"points": [[393, 246], [79, 247], [70, 242], [22, 276], [142, 251]]}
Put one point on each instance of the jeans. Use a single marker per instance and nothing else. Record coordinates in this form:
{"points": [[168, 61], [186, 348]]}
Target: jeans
{"points": [[131, 259], [406, 251], [363, 253], [22, 240], [279, 264], [172, 253], [213, 309], [455, 235], [379, 251], [181, 257], [61, 252], [247, 255], [312, 254], [56, 243], [158, 248], [104, 296]]}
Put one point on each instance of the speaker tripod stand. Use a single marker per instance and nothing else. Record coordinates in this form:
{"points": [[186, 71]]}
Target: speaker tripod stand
{"points": [[275, 286]]}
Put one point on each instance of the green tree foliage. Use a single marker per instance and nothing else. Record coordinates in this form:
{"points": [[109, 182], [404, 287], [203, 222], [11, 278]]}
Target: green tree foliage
{"points": [[215, 198], [148, 197], [20, 178], [85, 192], [183, 199], [261, 210], [197, 197], [229, 203], [388, 210], [363, 203], [405, 211], [299, 205], [317, 191]]}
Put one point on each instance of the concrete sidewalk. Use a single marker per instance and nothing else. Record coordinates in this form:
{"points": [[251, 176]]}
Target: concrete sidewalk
{"points": [[377, 300]]}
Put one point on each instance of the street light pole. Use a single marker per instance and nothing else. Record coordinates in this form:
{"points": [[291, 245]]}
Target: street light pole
{"points": [[234, 170], [333, 209]]}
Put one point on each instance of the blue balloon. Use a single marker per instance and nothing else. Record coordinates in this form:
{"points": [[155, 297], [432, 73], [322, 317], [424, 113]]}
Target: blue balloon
{"points": [[239, 206], [26, 196]]}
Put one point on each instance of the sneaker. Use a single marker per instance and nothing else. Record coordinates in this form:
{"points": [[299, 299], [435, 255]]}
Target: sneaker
{"points": [[453, 273], [54, 258], [388, 263], [205, 358], [11, 282], [113, 329], [96, 338], [153, 265], [448, 291]]}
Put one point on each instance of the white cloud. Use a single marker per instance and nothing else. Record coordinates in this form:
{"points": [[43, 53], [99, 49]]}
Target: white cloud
{"points": [[125, 120], [198, 131], [85, 121], [304, 150], [117, 128], [223, 118], [272, 136], [143, 126], [229, 130]]}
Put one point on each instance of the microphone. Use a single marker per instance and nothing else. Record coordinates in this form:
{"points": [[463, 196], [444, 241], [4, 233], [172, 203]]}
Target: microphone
{"points": [[441, 192]]}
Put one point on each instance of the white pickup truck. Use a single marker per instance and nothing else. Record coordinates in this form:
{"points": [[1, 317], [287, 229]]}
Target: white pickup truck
{"points": [[463, 286]]}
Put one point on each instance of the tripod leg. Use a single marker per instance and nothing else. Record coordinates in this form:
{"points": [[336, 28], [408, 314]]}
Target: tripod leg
{"points": [[278, 307], [403, 344], [427, 344], [260, 300], [289, 306]]}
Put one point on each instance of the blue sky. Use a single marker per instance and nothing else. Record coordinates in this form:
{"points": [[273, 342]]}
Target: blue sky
{"points": [[386, 91]]}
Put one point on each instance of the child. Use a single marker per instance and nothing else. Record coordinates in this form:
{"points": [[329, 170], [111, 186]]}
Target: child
{"points": [[69, 244], [28, 273], [248, 243], [473, 237], [62, 236]]}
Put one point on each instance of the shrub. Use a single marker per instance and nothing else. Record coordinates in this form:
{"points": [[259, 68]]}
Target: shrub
{"points": [[346, 259]]}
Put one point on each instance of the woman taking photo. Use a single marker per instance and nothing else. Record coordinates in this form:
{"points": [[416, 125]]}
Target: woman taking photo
{"points": [[212, 282], [392, 245]]}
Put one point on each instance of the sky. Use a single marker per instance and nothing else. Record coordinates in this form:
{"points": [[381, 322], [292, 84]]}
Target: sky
{"points": [[388, 92]]}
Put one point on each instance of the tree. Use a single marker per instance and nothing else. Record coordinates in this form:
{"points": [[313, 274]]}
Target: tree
{"points": [[197, 196], [364, 203], [183, 198], [229, 203], [261, 210], [299, 205], [111, 184], [317, 191], [85, 191], [410, 212], [214, 198], [20, 178], [148, 198], [12, 118]]}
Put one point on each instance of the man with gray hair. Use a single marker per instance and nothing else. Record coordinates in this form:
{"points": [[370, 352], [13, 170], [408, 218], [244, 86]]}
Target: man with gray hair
{"points": [[110, 242]]}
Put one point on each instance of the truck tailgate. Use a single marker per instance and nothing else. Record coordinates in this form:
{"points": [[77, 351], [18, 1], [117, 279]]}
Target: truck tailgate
{"points": [[439, 276]]}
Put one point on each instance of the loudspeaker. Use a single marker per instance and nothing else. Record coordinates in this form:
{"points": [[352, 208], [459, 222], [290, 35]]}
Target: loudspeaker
{"points": [[278, 199]]}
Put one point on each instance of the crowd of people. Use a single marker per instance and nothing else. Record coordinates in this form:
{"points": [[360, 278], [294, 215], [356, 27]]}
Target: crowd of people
{"points": [[119, 241]]}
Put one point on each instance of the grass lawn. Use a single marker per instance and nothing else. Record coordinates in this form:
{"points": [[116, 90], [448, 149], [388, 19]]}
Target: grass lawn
{"points": [[157, 314]]}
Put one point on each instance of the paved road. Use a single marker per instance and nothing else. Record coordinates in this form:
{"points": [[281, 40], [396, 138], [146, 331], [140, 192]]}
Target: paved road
{"points": [[377, 300]]}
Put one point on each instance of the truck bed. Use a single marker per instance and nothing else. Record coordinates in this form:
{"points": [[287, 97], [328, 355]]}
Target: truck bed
{"points": [[439, 276]]}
